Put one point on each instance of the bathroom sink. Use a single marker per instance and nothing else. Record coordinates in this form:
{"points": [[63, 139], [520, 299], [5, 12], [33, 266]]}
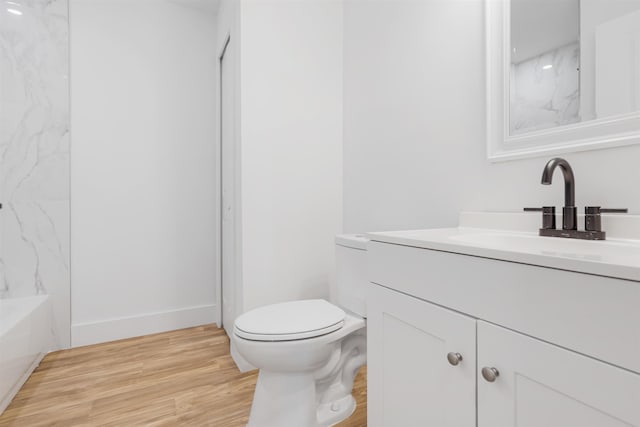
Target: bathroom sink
{"points": [[615, 257]]}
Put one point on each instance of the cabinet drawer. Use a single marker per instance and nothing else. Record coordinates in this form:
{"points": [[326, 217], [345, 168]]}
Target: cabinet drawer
{"points": [[593, 315], [540, 384]]}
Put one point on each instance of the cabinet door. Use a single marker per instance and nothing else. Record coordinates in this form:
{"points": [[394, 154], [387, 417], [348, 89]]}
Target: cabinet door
{"points": [[410, 380], [540, 384]]}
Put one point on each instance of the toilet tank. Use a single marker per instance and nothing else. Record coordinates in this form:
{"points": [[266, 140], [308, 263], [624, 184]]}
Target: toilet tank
{"points": [[351, 273]]}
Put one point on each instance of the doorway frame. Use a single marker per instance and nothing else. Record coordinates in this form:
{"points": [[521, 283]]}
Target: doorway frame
{"points": [[238, 291], [218, 261]]}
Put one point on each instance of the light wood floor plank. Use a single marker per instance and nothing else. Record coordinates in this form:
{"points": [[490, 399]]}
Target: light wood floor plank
{"points": [[178, 378]]}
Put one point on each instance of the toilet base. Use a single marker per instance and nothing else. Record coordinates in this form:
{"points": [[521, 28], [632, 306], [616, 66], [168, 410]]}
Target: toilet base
{"points": [[283, 400], [330, 414], [286, 400]]}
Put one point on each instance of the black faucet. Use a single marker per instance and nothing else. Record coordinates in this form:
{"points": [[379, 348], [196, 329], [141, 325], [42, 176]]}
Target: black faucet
{"points": [[593, 223], [569, 211]]}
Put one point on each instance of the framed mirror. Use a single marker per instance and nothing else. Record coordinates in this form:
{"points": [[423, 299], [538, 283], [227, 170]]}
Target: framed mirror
{"points": [[562, 76]]}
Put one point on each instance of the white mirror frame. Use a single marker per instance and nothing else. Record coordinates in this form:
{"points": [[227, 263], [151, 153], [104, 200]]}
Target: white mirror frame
{"points": [[608, 132]]}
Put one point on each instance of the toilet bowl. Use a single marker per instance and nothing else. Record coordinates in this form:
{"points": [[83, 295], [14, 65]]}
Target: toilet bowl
{"points": [[309, 351]]}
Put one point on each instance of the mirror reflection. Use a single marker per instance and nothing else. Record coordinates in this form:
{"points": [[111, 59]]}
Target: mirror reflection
{"points": [[572, 61]]}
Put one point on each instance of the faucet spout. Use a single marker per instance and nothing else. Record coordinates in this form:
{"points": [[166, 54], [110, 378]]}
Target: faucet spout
{"points": [[569, 211], [569, 180]]}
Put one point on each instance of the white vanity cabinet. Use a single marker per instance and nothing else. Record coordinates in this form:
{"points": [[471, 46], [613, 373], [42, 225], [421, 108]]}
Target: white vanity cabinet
{"points": [[553, 337]]}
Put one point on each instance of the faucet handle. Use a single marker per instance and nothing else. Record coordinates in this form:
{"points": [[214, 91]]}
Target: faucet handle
{"points": [[607, 210], [548, 216], [596, 210], [593, 219]]}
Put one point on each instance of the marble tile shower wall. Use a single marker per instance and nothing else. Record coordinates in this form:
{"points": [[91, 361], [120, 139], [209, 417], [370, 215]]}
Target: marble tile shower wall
{"points": [[545, 90], [34, 150]]}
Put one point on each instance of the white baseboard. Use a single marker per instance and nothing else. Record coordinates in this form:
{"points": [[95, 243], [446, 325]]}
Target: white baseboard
{"points": [[128, 327]]}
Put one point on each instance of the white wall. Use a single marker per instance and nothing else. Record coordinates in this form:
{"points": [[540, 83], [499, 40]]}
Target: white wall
{"points": [[291, 148], [143, 173], [414, 118]]}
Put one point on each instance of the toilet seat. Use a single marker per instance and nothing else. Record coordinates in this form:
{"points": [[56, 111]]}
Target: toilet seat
{"points": [[290, 321]]}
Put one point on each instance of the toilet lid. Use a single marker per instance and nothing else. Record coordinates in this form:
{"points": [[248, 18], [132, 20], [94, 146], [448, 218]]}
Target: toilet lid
{"points": [[290, 321]]}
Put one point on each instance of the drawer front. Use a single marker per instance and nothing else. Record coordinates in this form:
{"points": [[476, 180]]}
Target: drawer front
{"points": [[593, 315]]}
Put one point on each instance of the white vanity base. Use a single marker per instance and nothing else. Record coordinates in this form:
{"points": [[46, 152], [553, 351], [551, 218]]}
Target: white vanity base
{"points": [[565, 344]]}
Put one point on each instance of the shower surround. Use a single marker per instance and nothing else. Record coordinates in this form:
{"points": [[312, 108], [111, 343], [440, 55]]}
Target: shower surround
{"points": [[34, 155]]}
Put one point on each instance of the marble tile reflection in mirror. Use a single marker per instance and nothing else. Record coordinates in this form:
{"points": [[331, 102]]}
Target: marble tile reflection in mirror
{"points": [[572, 61]]}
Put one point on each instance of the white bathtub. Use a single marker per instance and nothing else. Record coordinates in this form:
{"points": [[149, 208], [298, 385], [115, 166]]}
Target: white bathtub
{"points": [[25, 337]]}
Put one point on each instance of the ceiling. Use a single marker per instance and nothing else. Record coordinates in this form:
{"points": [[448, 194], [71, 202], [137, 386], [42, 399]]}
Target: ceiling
{"points": [[539, 26]]}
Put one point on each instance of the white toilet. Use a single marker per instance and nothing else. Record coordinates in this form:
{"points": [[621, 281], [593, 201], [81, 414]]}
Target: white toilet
{"points": [[309, 351]]}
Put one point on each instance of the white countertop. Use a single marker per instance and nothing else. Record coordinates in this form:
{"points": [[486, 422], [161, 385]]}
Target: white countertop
{"points": [[517, 240]]}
